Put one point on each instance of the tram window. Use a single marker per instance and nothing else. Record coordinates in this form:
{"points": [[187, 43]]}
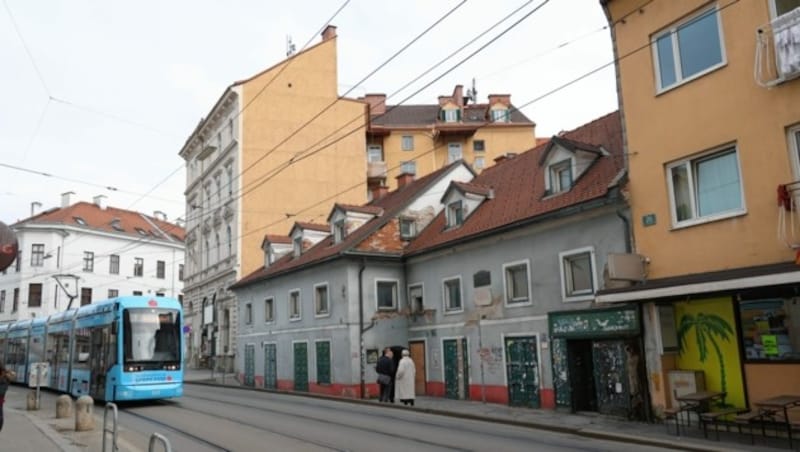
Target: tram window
{"points": [[81, 355]]}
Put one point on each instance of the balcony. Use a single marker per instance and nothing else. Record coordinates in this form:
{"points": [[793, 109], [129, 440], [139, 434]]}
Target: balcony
{"points": [[778, 50], [376, 170]]}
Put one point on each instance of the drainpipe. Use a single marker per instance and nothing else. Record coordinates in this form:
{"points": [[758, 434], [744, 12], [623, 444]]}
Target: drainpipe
{"points": [[627, 226], [361, 362]]}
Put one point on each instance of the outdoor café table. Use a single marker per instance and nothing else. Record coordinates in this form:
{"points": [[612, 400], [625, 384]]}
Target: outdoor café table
{"points": [[780, 404], [698, 401]]}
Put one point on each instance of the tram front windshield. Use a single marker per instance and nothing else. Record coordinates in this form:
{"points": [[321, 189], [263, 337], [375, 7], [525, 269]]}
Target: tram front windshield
{"points": [[152, 338]]}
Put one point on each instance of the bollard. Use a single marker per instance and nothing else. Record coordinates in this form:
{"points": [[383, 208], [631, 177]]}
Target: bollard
{"points": [[63, 407], [32, 402], [84, 416]]}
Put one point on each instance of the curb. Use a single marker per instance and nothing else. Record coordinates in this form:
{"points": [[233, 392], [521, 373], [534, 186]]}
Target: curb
{"points": [[578, 431], [56, 438]]}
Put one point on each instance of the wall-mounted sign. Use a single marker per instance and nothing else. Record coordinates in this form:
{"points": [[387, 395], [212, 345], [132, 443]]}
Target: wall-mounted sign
{"points": [[649, 219], [8, 246]]}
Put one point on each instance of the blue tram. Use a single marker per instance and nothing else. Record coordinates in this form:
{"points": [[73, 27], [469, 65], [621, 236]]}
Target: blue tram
{"points": [[126, 348]]}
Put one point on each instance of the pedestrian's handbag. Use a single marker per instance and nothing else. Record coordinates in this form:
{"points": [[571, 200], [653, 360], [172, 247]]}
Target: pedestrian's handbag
{"points": [[384, 379]]}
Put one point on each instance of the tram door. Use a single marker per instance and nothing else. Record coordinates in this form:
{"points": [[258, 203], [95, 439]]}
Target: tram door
{"points": [[97, 363]]}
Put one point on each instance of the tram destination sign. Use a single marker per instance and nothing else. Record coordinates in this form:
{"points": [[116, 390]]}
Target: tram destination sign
{"points": [[8, 246]]}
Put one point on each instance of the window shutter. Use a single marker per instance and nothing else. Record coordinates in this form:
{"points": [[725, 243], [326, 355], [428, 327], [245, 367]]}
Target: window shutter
{"points": [[458, 115], [441, 115]]}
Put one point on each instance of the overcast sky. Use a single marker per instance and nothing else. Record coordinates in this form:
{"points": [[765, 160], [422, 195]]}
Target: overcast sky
{"points": [[121, 85]]}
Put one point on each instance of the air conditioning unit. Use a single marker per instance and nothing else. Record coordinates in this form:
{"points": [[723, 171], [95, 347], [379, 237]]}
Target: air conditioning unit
{"points": [[626, 267]]}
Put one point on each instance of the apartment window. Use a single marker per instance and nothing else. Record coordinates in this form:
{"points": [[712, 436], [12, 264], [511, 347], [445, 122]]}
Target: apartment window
{"points": [[374, 153], [219, 247], [2, 300], [113, 293], [339, 230], [208, 253], [180, 272], [478, 145], [138, 266], [35, 295], [219, 141], [18, 265], [794, 146], [500, 115], [455, 213], [161, 269], [479, 163], [229, 173], [137, 293], [229, 238], [454, 152], [294, 305], [416, 298], [452, 115], [408, 143], [86, 296], [706, 187], [407, 228], [297, 245], [409, 167], [269, 310], [688, 50], [781, 7], [561, 176], [387, 294], [113, 264], [517, 282], [218, 186], [577, 273], [37, 255], [88, 261], [321, 301], [248, 313], [15, 301], [452, 295]]}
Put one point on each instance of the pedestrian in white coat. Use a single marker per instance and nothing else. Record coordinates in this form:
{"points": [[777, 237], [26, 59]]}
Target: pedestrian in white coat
{"points": [[404, 380]]}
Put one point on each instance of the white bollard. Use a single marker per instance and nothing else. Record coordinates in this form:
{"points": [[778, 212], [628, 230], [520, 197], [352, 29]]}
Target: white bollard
{"points": [[63, 406], [84, 414], [32, 402]]}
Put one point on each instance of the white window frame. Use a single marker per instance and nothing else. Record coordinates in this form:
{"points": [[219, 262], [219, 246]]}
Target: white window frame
{"points": [[773, 10], [452, 220], [371, 149], [405, 165], [412, 227], [451, 115], [673, 29], [500, 115], [407, 142], [447, 311], [411, 306], [480, 163], [299, 305], [695, 220], [555, 170], [327, 313], [562, 260], [793, 136], [297, 245], [271, 319], [339, 230], [506, 295], [396, 304], [450, 147]]}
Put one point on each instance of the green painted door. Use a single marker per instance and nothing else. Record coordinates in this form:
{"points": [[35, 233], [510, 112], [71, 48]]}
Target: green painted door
{"points": [[249, 365], [522, 369], [270, 366], [300, 366], [611, 377], [456, 369], [324, 363]]}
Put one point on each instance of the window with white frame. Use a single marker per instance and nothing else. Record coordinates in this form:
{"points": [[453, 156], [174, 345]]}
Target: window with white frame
{"points": [[297, 245], [229, 173], [451, 115], [229, 240], [407, 228], [409, 167], [706, 187], [113, 293], [321, 300], [138, 266], [113, 264], [794, 148], [500, 115], [455, 213], [37, 254], [781, 7], [577, 273], [248, 313], [408, 143], [688, 49], [452, 294], [294, 305], [374, 153], [561, 176], [339, 230], [88, 261], [416, 298], [480, 163], [454, 152], [517, 285], [161, 269], [269, 309], [386, 294]]}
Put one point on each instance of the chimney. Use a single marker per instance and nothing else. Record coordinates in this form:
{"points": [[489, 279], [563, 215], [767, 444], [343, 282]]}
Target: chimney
{"points": [[100, 201], [379, 191], [404, 179], [458, 95], [504, 99], [159, 215], [66, 199], [377, 103], [35, 207], [329, 33]]}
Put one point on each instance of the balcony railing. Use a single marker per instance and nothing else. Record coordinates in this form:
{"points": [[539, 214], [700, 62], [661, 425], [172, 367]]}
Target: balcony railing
{"points": [[376, 170], [778, 50]]}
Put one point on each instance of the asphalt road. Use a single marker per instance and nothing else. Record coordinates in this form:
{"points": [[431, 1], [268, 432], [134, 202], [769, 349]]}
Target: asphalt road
{"points": [[221, 419]]}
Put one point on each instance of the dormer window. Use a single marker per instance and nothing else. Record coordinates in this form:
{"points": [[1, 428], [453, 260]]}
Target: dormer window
{"points": [[407, 228], [297, 245], [561, 176], [339, 231], [455, 214], [80, 221], [451, 115], [500, 115]]}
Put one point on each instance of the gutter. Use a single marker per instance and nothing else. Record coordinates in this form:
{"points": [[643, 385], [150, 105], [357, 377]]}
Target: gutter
{"points": [[361, 358]]}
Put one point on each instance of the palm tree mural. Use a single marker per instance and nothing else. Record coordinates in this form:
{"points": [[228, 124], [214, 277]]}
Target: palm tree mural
{"points": [[706, 326]]}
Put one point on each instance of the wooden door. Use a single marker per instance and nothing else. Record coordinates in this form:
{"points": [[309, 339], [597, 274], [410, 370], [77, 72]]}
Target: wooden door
{"points": [[270, 366], [301, 366], [249, 365], [417, 350]]}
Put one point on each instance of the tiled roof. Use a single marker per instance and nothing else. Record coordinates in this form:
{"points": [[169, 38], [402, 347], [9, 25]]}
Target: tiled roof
{"points": [[313, 226], [391, 204], [274, 238], [118, 221], [424, 115], [472, 188], [373, 210], [519, 188]]}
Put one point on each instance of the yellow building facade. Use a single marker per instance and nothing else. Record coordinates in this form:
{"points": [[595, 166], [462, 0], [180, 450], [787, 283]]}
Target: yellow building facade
{"points": [[711, 107]]}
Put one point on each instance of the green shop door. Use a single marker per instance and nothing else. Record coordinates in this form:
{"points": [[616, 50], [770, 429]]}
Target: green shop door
{"points": [[522, 368], [456, 369], [249, 365], [611, 377], [270, 366], [301, 366]]}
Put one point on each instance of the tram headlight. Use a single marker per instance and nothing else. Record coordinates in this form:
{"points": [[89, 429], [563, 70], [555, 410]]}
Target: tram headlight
{"points": [[171, 367], [132, 368]]}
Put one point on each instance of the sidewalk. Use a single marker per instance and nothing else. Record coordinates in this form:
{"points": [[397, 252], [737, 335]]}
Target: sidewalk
{"points": [[587, 425], [24, 431]]}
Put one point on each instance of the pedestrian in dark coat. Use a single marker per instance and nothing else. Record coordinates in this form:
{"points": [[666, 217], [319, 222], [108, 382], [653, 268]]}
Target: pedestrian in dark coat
{"points": [[385, 370], [5, 378]]}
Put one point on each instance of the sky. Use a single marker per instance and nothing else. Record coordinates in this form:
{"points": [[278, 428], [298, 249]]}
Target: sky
{"points": [[100, 96]]}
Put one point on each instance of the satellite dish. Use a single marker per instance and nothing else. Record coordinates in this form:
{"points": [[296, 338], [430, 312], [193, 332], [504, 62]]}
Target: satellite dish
{"points": [[8, 246]]}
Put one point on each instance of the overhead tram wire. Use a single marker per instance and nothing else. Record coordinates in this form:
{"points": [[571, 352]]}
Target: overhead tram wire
{"points": [[27, 49]]}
